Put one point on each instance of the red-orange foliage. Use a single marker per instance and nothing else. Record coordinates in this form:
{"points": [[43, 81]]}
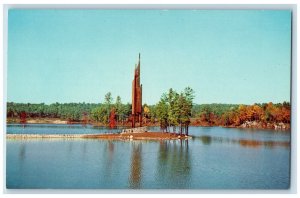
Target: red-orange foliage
{"points": [[209, 118], [264, 114], [112, 119], [23, 116], [286, 114]]}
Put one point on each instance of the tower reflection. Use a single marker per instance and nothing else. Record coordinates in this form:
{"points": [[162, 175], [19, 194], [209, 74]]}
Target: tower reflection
{"points": [[136, 165]]}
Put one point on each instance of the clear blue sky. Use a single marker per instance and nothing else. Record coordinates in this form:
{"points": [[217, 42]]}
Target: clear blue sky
{"points": [[80, 55]]}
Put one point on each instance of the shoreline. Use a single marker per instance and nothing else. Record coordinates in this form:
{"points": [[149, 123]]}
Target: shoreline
{"points": [[274, 126], [246, 125]]}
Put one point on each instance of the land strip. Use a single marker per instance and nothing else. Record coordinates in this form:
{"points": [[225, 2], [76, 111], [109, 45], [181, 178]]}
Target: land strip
{"points": [[112, 136]]}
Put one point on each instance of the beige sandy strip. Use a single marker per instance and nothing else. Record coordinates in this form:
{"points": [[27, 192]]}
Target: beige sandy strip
{"points": [[25, 136]]}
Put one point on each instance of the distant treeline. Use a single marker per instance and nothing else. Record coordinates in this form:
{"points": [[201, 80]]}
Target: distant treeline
{"points": [[168, 112], [72, 111]]}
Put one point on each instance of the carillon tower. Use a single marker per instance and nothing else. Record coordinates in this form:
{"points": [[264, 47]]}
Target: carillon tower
{"points": [[137, 96]]}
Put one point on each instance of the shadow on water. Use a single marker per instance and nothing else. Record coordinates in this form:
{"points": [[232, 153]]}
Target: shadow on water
{"points": [[207, 140], [174, 164], [136, 166]]}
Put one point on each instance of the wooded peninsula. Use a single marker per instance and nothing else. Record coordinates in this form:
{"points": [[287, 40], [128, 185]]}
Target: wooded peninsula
{"points": [[174, 111]]}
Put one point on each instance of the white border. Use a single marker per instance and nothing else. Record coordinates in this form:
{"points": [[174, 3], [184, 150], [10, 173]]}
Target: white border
{"points": [[183, 5]]}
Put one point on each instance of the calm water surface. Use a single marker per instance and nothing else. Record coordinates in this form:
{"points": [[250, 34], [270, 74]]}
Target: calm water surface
{"points": [[215, 158]]}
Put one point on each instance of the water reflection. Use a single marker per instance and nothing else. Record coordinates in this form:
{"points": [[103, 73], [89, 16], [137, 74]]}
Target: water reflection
{"points": [[174, 164], [22, 152], [84, 149], [169, 164], [136, 165], [252, 143], [109, 149], [59, 129], [70, 148], [206, 139]]}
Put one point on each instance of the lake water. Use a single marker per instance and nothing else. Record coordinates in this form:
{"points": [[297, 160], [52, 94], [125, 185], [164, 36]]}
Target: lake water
{"points": [[215, 158]]}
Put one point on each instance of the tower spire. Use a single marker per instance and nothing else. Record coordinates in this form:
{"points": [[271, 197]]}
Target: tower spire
{"points": [[137, 96], [138, 67]]}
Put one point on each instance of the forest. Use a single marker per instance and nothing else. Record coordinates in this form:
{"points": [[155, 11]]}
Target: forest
{"points": [[174, 111], [236, 115]]}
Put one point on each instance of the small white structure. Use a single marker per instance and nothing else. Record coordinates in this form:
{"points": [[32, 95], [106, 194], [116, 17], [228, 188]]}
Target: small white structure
{"points": [[135, 130]]}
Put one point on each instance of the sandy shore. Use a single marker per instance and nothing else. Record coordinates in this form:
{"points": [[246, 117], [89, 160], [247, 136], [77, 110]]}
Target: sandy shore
{"points": [[25, 136], [127, 136]]}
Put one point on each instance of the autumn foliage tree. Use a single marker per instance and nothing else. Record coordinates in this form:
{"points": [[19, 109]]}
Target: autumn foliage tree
{"points": [[112, 119], [23, 117], [265, 113]]}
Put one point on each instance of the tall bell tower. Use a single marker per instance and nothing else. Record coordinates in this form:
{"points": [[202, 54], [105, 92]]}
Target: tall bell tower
{"points": [[137, 95]]}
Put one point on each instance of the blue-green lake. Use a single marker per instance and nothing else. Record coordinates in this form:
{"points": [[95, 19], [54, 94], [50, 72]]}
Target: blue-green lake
{"points": [[215, 158]]}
